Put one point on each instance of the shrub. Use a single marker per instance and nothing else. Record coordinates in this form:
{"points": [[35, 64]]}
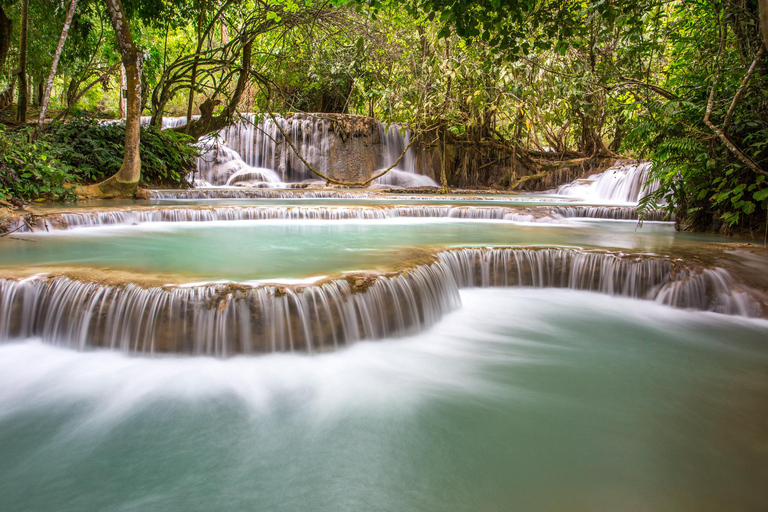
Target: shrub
{"points": [[29, 170], [94, 150]]}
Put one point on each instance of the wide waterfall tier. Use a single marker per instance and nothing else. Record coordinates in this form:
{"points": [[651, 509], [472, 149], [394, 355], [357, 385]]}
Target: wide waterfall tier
{"points": [[258, 150], [618, 184], [124, 217], [132, 216], [228, 319], [225, 319]]}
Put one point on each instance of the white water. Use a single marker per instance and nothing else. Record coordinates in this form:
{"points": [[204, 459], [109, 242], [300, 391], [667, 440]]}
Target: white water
{"points": [[611, 212], [619, 184], [394, 140], [254, 146], [525, 399], [228, 319], [65, 221]]}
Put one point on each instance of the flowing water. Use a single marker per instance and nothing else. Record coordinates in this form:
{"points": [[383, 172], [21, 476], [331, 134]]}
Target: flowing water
{"points": [[521, 400], [258, 347]]}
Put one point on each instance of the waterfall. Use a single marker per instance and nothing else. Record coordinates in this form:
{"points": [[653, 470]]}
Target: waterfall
{"points": [[620, 184], [667, 281], [124, 217], [394, 140], [223, 320], [255, 194], [260, 143], [611, 212], [226, 319], [255, 142], [221, 165]]}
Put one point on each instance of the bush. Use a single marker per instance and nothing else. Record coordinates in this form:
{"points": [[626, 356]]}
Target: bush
{"points": [[94, 150], [28, 169]]}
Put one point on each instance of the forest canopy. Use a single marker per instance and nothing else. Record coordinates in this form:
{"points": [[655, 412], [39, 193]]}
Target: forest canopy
{"points": [[503, 82]]}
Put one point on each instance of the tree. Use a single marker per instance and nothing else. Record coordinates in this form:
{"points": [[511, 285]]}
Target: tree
{"points": [[125, 182], [21, 107], [54, 65], [763, 9], [5, 36]]}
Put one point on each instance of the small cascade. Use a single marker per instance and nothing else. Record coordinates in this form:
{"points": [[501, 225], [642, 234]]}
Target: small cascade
{"points": [[223, 320], [611, 212], [167, 122], [618, 184], [259, 142], [667, 281], [221, 165], [254, 177], [129, 217], [394, 140]]}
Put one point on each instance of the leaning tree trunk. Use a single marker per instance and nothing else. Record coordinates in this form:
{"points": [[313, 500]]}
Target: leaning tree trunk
{"points": [[21, 107], [207, 122], [193, 78], [126, 181], [55, 64]]}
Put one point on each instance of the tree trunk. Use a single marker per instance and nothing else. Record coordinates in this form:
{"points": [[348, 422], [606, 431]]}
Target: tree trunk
{"points": [[193, 78], [122, 106], [46, 96], [5, 36], [207, 122], [763, 6], [21, 106], [39, 93], [125, 182]]}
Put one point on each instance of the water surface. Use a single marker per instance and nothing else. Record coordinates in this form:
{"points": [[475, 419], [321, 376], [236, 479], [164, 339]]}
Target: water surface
{"points": [[248, 250], [523, 400]]}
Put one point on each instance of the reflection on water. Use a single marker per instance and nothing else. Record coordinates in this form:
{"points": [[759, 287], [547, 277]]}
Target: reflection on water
{"points": [[246, 250], [522, 400]]}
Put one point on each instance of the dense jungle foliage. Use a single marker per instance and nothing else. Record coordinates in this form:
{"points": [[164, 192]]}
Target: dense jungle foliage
{"points": [[496, 84], [86, 151]]}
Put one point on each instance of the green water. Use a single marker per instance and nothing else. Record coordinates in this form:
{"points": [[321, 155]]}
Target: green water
{"points": [[523, 400], [247, 250], [512, 201]]}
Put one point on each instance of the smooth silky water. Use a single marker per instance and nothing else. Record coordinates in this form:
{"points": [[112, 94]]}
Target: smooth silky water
{"points": [[522, 400], [500, 399]]}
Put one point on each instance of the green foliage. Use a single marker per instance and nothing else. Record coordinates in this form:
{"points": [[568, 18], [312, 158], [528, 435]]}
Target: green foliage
{"points": [[95, 151], [28, 170], [710, 187]]}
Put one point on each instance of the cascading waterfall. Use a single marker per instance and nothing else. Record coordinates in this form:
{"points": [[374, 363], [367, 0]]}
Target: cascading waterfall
{"points": [[611, 212], [254, 147], [669, 282], [260, 144], [405, 175], [618, 184], [221, 165], [227, 319], [129, 217]]}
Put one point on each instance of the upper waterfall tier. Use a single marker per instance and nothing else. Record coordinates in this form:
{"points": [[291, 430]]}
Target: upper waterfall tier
{"points": [[253, 151], [133, 215], [226, 319], [618, 184]]}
